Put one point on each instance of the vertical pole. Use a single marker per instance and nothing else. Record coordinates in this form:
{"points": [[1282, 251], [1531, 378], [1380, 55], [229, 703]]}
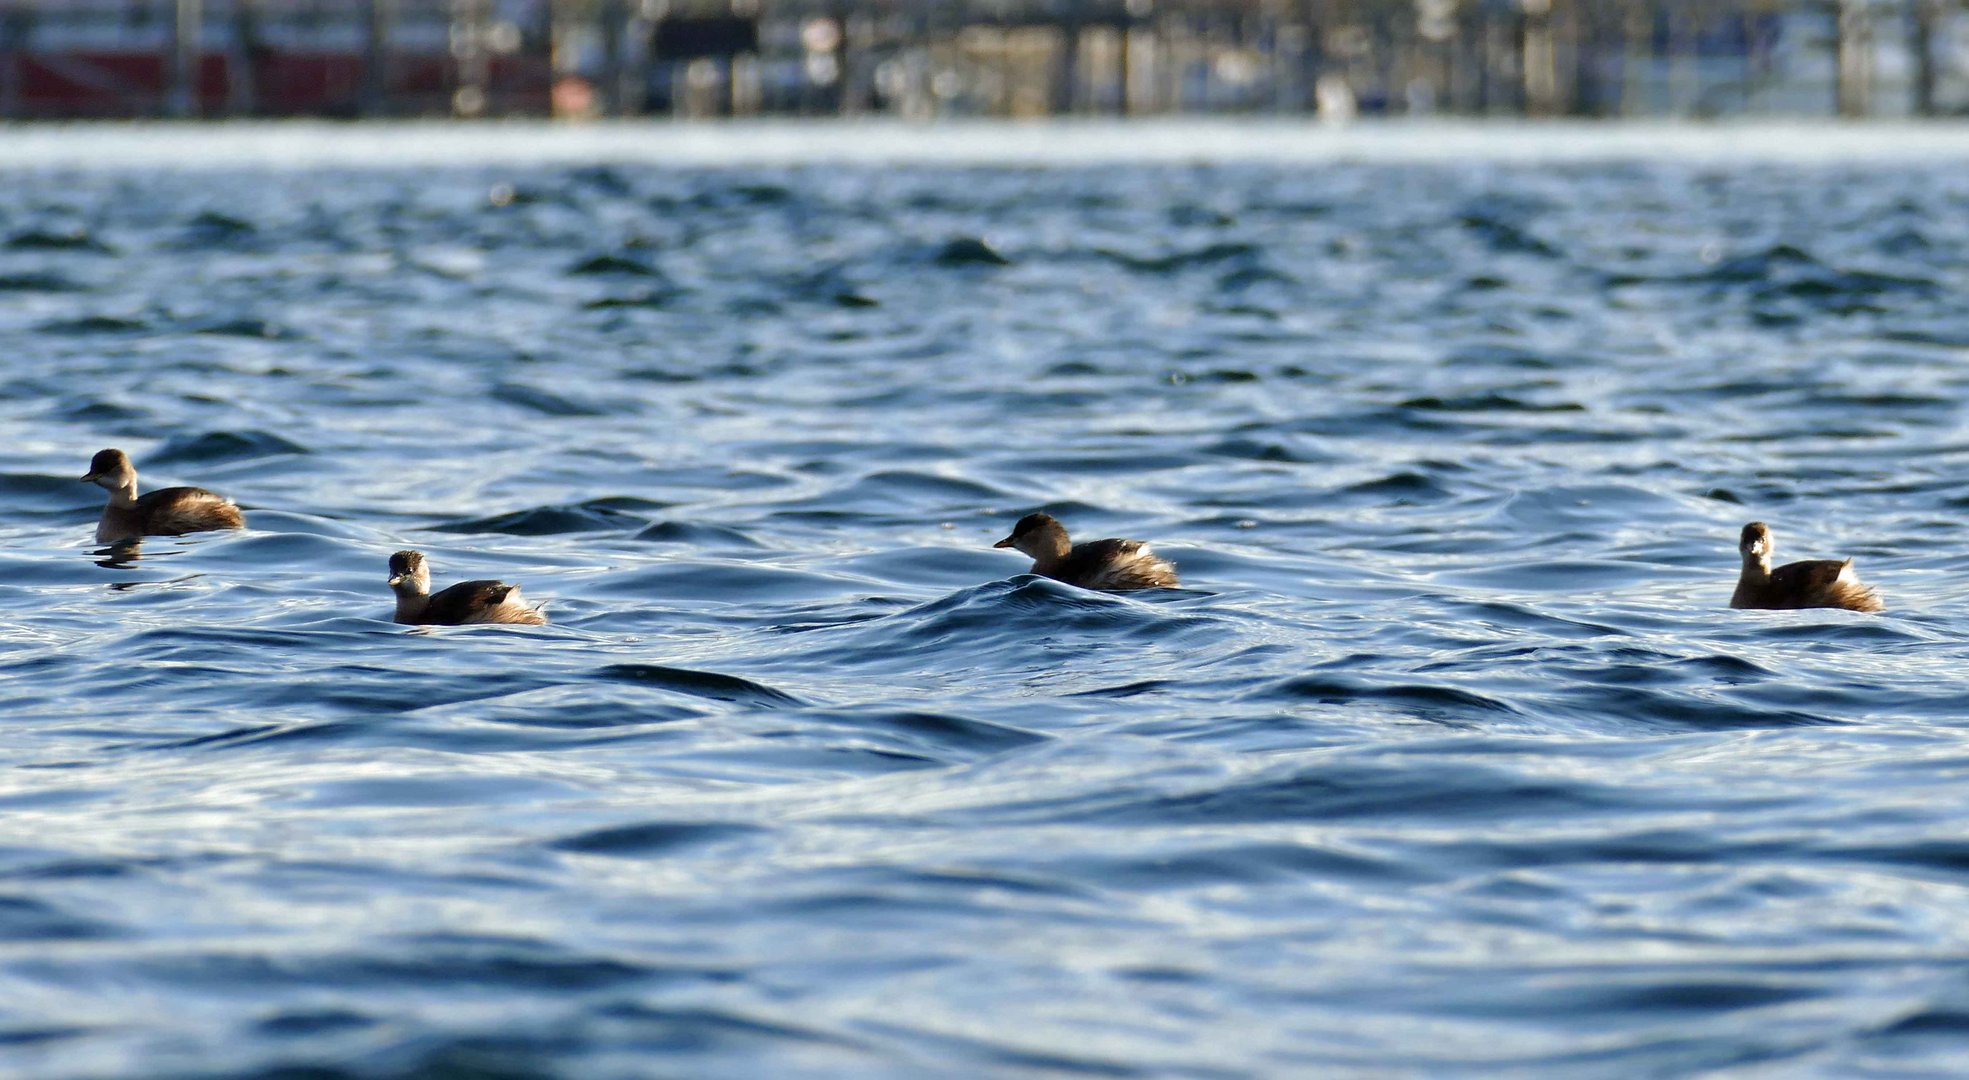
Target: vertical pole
{"points": [[468, 50], [1424, 77], [1578, 86], [1314, 60], [610, 95], [1124, 63], [1485, 95], [1570, 71], [1841, 65], [1287, 42], [638, 23], [378, 17], [1924, 15], [1176, 51], [1466, 66], [1508, 48], [1684, 66], [242, 59], [1191, 81], [1535, 60], [16, 24], [1747, 24], [1066, 71], [1637, 60], [859, 32], [186, 26], [1289, 65], [1855, 61]]}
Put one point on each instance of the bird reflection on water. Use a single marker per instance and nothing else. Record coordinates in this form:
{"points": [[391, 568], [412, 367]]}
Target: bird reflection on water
{"points": [[121, 555]]}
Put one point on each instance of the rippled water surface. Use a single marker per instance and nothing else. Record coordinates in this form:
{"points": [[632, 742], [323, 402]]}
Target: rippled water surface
{"points": [[1448, 757]]}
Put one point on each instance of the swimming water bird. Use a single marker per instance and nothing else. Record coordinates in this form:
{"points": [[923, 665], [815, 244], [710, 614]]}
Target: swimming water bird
{"points": [[1113, 565], [465, 602], [1814, 583], [172, 511]]}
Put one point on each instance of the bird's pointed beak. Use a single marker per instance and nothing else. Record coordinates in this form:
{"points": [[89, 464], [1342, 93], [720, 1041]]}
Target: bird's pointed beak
{"points": [[1007, 542], [91, 478], [395, 580]]}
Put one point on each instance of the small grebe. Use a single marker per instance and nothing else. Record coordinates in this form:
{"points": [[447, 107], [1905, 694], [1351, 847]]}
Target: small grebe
{"points": [[1112, 565], [1816, 583], [465, 602], [170, 511]]}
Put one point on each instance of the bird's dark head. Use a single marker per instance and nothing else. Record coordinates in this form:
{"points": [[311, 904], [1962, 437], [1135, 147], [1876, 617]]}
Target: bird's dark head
{"points": [[1029, 527], [407, 571], [1756, 542], [109, 468]]}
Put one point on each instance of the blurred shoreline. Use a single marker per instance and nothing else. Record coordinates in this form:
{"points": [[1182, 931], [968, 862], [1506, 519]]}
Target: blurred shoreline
{"points": [[1064, 142], [918, 60]]}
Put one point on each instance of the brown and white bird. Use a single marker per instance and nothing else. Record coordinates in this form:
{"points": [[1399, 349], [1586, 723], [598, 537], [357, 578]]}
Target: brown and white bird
{"points": [[1810, 584], [172, 511], [465, 602], [1111, 565]]}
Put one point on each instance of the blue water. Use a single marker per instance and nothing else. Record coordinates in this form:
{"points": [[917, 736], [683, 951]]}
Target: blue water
{"points": [[1448, 759]]}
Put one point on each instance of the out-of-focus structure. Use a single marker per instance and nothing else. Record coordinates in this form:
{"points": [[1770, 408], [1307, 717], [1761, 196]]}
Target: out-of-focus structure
{"points": [[926, 58]]}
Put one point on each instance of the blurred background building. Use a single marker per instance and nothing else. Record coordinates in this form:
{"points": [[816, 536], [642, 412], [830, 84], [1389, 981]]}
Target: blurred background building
{"points": [[929, 58]]}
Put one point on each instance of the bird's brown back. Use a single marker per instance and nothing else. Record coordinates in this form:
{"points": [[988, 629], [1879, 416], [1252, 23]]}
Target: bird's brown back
{"points": [[467, 601], [1114, 564], [174, 511], [1809, 584]]}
